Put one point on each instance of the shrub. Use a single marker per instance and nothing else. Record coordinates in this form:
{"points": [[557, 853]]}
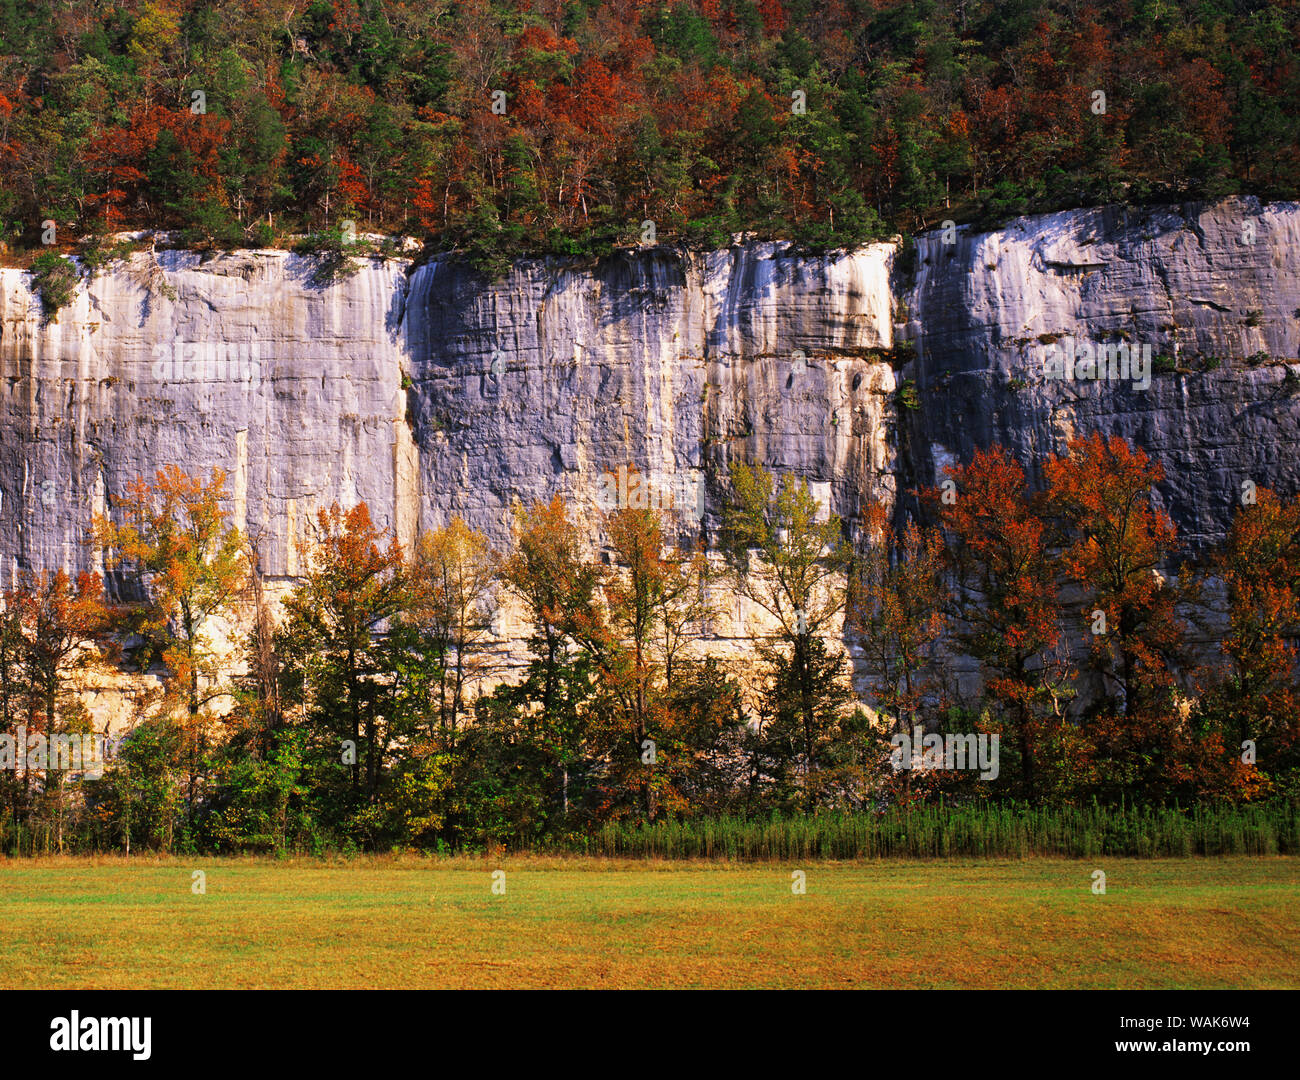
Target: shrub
{"points": [[903, 352], [260, 235], [54, 280], [333, 250], [97, 254]]}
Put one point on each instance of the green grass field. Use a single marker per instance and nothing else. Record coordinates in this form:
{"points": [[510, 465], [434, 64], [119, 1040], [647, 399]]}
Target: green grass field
{"points": [[1229, 922]]}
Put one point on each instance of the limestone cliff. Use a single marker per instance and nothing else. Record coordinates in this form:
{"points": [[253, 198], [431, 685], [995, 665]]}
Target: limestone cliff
{"points": [[1207, 287], [428, 392]]}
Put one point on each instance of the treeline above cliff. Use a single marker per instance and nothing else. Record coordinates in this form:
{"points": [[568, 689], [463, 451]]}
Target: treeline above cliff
{"points": [[541, 125]]}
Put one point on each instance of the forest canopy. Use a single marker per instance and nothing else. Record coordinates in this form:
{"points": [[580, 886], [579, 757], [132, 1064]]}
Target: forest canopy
{"points": [[545, 126]]}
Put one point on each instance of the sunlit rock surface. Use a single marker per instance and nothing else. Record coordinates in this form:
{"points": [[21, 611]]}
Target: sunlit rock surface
{"points": [[428, 392]]}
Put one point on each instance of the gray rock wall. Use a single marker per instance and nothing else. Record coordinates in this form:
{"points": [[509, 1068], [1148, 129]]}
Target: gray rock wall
{"points": [[667, 363], [428, 393], [1221, 281]]}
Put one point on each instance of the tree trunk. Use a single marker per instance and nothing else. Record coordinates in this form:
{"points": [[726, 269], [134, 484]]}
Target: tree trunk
{"points": [[805, 694], [356, 720]]}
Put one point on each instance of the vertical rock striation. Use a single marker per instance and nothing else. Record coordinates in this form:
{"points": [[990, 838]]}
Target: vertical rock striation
{"points": [[429, 393], [1198, 284]]}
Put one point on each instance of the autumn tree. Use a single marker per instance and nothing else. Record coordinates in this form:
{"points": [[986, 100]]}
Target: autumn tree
{"points": [[258, 691], [549, 570], [185, 567], [1256, 697], [1005, 602], [1115, 548], [898, 608], [64, 624], [339, 671], [454, 576], [57, 631], [652, 599], [11, 710], [897, 611], [1115, 541], [787, 555]]}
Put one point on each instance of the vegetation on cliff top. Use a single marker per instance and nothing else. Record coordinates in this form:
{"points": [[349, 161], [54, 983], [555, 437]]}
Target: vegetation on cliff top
{"points": [[501, 126]]}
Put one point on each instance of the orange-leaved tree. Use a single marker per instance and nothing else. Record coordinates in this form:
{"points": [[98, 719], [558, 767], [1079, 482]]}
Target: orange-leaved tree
{"points": [[62, 629], [1116, 546], [186, 567], [1115, 543], [1005, 603], [334, 639], [1256, 697], [550, 571]]}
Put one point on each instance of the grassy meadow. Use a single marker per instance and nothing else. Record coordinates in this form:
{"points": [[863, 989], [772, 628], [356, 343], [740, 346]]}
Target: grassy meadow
{"points": [[406, 922]]}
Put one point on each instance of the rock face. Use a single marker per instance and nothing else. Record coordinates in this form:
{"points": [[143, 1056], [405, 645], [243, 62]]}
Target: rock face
{"points": [[989, 311], [669, 364], [428, 393], [294, 391]]}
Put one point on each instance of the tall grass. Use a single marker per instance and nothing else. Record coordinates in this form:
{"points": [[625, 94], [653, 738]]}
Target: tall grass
{"points": [[1000, 830], [996, 830]]}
